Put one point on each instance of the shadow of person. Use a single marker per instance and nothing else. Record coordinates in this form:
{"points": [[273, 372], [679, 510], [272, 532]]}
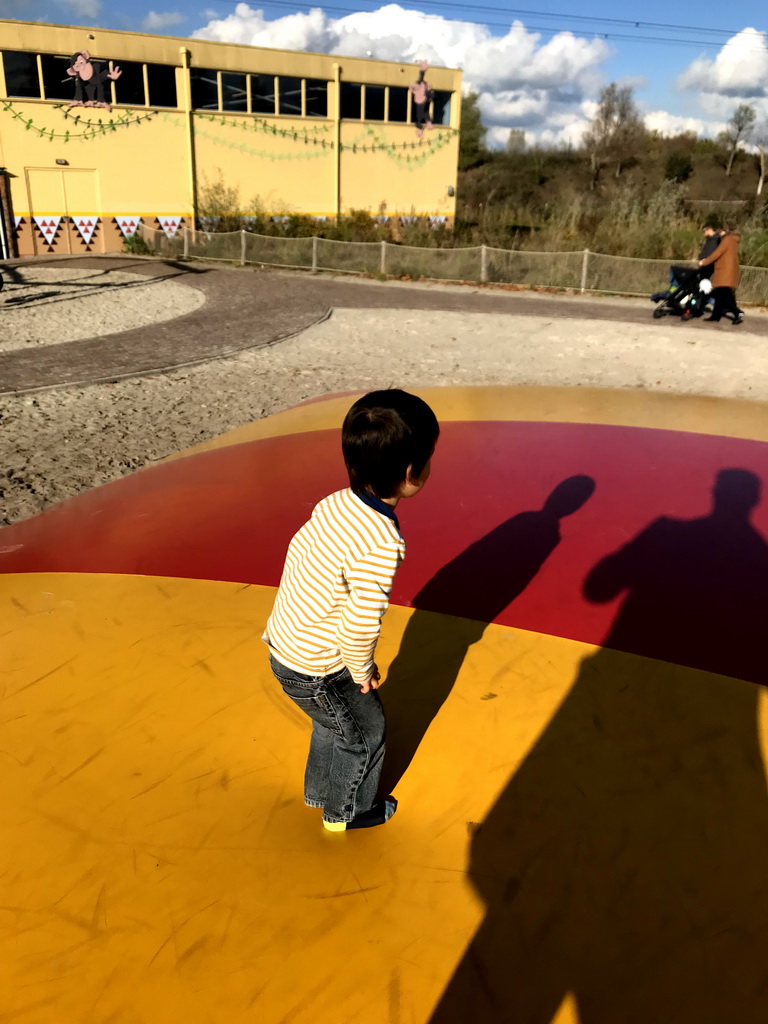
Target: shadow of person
{"points": [[624, 865], [697, 591], [474, 588]]}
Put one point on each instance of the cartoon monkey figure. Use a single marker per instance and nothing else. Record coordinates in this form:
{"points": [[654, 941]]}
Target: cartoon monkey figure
{"points": [[92, 76]]}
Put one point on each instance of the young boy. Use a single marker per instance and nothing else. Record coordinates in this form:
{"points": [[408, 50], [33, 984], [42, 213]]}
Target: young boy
{"points": [[334, 590]]}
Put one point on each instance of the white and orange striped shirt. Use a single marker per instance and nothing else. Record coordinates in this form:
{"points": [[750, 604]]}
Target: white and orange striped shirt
{"points": [[335, 588]]}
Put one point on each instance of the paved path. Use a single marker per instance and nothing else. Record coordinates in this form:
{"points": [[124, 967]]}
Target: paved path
{"points": [[248, 308]]}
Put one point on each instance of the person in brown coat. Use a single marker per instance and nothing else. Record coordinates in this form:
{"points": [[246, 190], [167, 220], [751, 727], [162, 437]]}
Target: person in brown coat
{"points": [[726, 277]]}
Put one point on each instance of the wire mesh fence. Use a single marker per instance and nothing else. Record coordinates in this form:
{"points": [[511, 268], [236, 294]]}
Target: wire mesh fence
{"points": [[275, 251], [626, 275], [583, 271], [543, 269]]}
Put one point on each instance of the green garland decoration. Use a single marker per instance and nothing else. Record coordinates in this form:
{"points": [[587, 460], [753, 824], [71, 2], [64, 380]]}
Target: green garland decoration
{"points": [[309, 136], [398, 153], [407, 154], [92, 128], [127, 117], [325, 150]]}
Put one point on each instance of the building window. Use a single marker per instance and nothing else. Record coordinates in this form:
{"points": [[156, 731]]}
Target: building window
{"points": [[129, 87], [317, 98], [398, 103], [233, 92], [374, 103], [262, 94], [289, 96], [21, 77], [58, 85], [351, 99], [442, 108], [162, 85], [205, 89]]}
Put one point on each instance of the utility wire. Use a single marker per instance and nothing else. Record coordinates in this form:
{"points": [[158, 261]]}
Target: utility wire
{"points": [[544, 29]]}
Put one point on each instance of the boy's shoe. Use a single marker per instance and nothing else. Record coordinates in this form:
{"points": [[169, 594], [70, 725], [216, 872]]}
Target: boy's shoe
{"points": [[739, 319], [380, 813]]}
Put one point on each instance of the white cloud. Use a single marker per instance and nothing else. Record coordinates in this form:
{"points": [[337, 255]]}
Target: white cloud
{"points": [[740, 69], [155, 22], [86, 8], [523, 82], [671, 124]]}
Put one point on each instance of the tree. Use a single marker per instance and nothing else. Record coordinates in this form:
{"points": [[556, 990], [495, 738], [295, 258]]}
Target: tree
{"points": [[679, 166], [617, 134], [516, 141], [761, 144], [471, 133], [740, 127]]}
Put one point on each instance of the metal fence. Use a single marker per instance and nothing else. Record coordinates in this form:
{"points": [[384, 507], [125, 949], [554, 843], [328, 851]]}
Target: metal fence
{"points": [[582, 271]]}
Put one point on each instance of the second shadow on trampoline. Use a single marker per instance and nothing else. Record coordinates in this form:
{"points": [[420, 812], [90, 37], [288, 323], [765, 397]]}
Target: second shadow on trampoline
{"points": [[474, 588], [622, 867]]}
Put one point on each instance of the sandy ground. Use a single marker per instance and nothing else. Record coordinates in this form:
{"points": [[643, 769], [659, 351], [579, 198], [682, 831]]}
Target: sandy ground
{"points": [[48, 306], [56, 443]]}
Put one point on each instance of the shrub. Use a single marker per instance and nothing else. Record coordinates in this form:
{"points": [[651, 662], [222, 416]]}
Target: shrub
{"points": [[137, 246]]}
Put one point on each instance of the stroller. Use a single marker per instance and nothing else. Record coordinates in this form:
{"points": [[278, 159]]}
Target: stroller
{"points": [[688, 294]]}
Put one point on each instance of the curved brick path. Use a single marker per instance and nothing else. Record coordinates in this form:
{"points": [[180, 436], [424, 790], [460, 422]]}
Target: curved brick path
{"points": [[250, 308]]}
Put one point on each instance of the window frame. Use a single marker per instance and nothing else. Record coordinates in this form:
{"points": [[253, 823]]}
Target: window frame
{"points": [[310, 83], [38, 73], [361, 110], [385, 103], [198, 72], [321, 85], [148, 85], [278, 93], [235, 110], [113, 85]]}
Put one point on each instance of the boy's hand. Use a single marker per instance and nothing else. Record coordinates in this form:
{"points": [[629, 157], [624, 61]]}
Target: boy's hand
{"points": [[373, 682]]}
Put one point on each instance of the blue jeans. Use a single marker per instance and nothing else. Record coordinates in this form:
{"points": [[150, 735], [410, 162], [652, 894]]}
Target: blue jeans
{"points": [[346, 751]]}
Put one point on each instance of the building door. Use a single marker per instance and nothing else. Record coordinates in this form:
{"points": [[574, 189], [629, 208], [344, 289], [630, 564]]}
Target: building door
{"points": [[65, 207]]}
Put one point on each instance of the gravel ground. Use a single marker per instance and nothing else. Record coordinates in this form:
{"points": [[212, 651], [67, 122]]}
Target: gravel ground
{"points": [[48, 306], [59, 442]]}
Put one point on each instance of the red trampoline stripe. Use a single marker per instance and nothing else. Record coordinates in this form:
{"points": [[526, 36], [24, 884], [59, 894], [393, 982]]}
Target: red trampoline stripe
{"points": [[480, 532]]}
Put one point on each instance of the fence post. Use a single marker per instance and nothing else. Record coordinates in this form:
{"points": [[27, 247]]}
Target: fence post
{"points": [[584, 264], [186, 242], [314, 254], [242, 247], [383, 262], [483, 264]]}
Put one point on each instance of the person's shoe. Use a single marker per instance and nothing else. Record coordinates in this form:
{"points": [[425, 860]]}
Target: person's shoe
{"points": [[380, 813], [738, 319], [658, 296]]}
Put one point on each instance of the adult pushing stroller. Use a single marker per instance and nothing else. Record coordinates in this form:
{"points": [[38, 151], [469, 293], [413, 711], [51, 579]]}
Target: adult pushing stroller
{"points": [[688, 294]]}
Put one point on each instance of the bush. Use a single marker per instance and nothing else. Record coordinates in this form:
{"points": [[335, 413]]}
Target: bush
{"points": [[136, 246], [679, 166]]}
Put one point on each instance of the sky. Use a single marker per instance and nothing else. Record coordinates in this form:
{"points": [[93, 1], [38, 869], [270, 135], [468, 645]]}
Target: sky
{"points": [[538, 67]]}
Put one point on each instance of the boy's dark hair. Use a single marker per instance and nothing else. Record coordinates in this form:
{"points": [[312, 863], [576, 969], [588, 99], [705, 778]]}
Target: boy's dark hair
{"points": [[712, 222], [383, 434]]}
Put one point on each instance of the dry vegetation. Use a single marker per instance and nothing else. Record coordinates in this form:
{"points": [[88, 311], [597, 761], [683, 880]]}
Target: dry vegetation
{"points": [[625, 192]]}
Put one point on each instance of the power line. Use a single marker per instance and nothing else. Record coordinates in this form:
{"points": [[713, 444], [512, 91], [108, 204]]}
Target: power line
{"points": [[545, 29]]}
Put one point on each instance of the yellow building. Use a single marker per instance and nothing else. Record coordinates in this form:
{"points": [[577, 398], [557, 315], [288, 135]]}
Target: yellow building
{"points": [[290, 132]]}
